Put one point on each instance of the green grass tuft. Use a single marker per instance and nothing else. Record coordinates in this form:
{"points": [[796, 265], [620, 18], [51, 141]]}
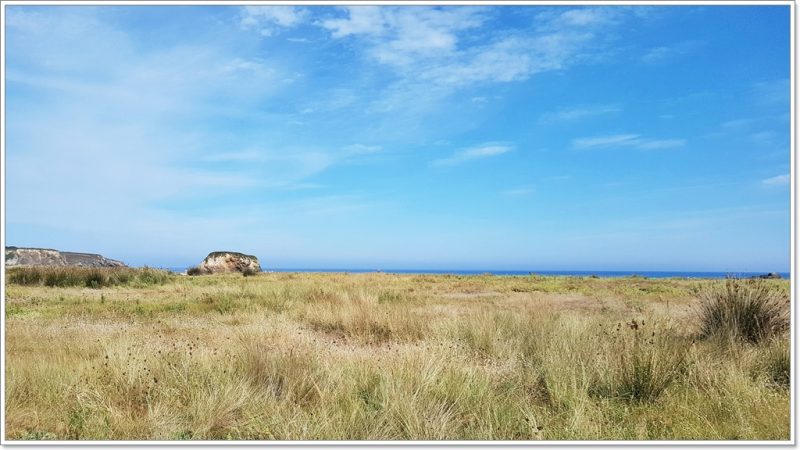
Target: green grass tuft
{"points": [[642, 363]]}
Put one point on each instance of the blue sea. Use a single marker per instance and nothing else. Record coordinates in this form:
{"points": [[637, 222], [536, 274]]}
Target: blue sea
{"points": [[576, 273]]}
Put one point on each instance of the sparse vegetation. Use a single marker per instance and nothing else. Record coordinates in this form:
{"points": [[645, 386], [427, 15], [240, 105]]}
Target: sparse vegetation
{"points": [[381, 356]]}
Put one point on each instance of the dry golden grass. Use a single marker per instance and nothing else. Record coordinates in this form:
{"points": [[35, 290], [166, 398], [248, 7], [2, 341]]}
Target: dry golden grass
{"points": [[384, 357]]}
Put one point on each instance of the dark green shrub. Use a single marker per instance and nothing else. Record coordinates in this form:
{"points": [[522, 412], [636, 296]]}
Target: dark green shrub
{"points": [[31, 276], [96, 279], [62, 277]]}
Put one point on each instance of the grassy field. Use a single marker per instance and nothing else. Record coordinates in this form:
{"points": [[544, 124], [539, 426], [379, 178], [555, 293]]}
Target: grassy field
{"points": [[385, 357]]}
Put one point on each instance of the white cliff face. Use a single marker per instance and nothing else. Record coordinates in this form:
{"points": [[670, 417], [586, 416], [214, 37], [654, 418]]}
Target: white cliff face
{"points": [[34, 257], [225, 262], [48, 257]]}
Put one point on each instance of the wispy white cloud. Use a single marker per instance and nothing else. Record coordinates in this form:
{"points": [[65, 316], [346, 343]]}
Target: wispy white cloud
{"points": [[240, 156], [767, 133], [360, 20], [773, 93], [418, 39], [519, 192], [302, 186], [400, 36], [578, 112], [606, 141], [626, 140], [507, 60], [280, 167], [586, 17], [429, 54], [658, 144], [269, 19], [361, 149], [665, 53], [750, 124], [423, 43], [140, 133], [768, 137], [739, 124], [778, 180], [470, 154]]}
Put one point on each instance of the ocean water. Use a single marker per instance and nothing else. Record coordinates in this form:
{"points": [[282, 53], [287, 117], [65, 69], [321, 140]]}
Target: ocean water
{"points": [[577, 273]]}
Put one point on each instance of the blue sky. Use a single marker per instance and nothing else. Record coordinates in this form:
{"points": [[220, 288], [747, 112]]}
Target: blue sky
{"points": [[524, 137]]}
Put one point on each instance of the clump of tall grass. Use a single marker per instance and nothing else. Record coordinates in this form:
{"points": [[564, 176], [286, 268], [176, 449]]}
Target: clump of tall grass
{"points": [[749, 310], [291, 375], [640, 364], [91, 277], [776, 363], [495, 334]]}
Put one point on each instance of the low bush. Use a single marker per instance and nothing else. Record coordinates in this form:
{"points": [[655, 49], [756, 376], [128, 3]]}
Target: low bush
{"points": [[146, 276], [249, 272]]}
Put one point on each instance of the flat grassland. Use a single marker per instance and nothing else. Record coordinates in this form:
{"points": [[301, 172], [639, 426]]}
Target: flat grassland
{"points": [[382, 357]]}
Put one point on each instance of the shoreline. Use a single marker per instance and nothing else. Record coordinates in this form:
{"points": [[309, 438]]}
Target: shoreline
{"points": [[525, 273]]}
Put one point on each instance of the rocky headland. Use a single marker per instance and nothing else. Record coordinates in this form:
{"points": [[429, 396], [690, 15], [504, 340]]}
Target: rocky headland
{"points": [[19, 256]]}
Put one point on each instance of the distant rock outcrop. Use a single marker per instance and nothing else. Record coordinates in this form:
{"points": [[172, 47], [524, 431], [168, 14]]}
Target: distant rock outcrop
{"points": [[16, 256], [769, 276], [227, 262]]}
